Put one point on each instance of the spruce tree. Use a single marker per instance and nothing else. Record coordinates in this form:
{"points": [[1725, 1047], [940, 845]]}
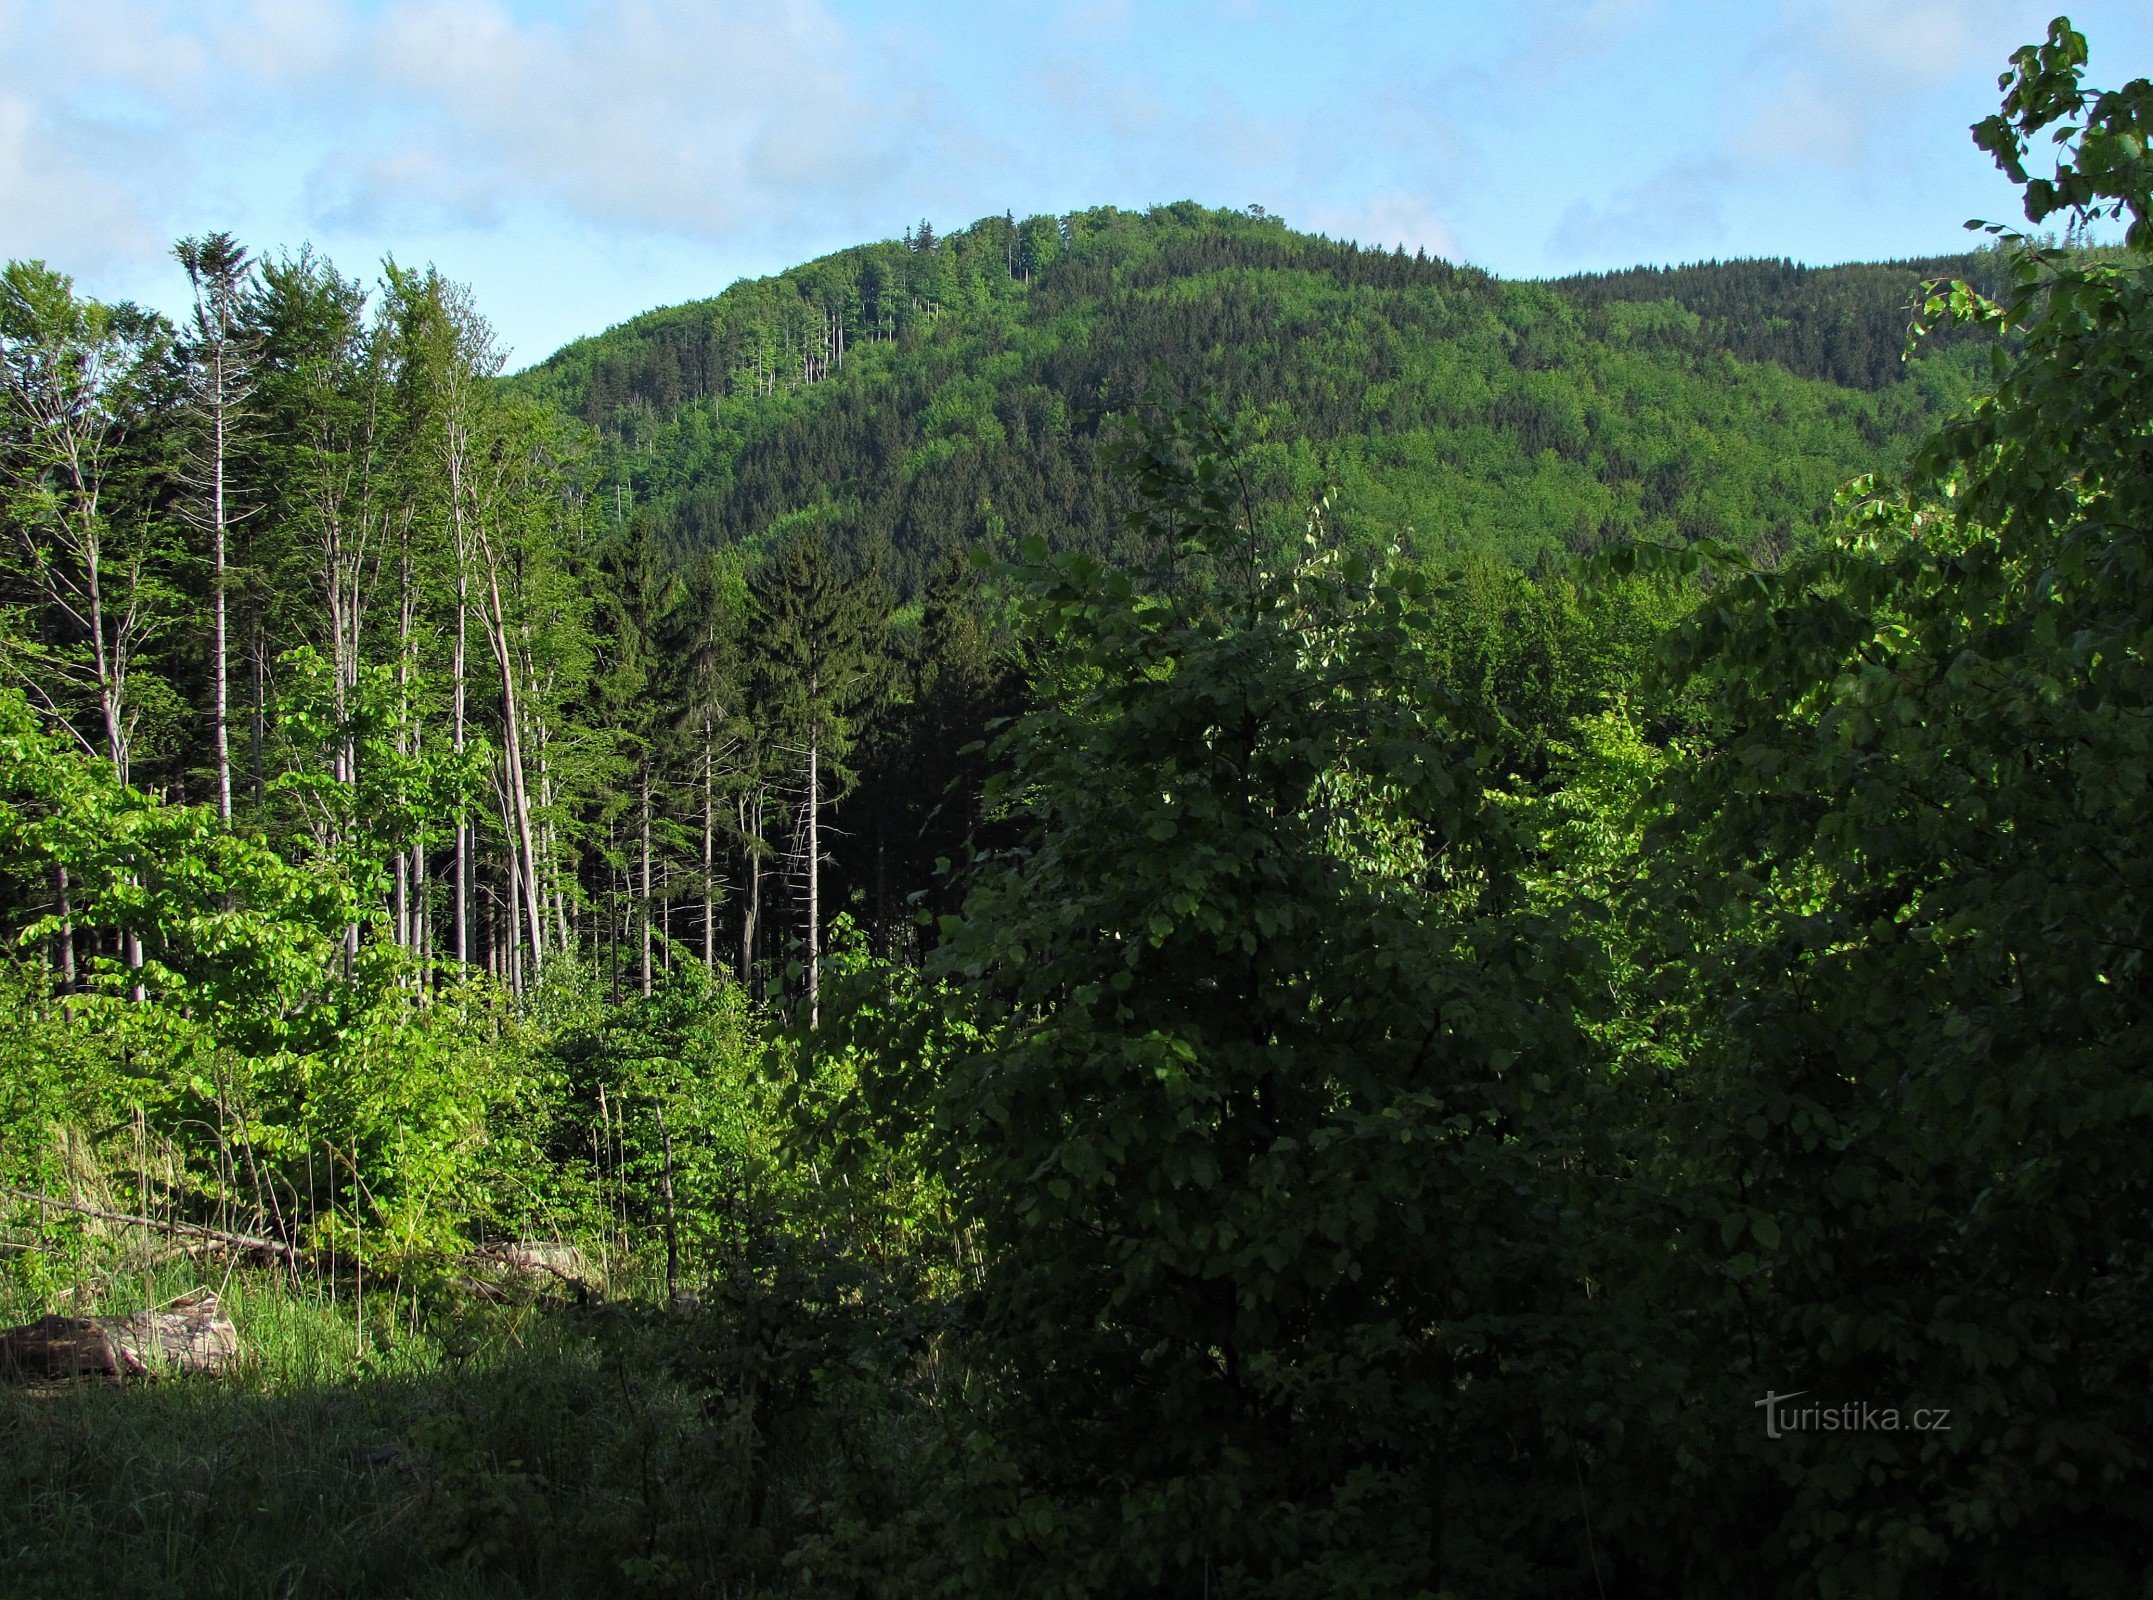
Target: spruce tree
{"points": [[818, 634], [638, 682], [219, 352]]}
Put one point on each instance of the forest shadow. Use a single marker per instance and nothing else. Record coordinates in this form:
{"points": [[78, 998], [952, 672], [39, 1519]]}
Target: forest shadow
{"points": [[579, 1451]]}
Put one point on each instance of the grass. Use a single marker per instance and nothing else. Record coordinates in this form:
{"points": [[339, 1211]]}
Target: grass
{"points": [[458, 1447], [462, 1450]]}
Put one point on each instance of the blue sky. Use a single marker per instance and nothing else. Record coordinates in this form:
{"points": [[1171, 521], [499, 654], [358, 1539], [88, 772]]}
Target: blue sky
{"points": [[581, 160]]}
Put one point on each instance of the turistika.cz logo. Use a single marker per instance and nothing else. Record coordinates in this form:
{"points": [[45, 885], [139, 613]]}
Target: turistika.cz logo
{"points": [[1851, 1416]]}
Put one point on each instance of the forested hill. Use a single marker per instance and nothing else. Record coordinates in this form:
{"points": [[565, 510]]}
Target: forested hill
{"points": [[1846, 325], [921, 394]]}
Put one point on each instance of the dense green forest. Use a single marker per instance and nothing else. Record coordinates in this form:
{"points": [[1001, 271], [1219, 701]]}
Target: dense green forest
{"points": [[920, 397], [1118, 905]]}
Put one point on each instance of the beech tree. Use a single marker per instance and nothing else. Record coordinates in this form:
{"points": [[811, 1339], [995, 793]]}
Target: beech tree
{"points": [[1900, 899]]}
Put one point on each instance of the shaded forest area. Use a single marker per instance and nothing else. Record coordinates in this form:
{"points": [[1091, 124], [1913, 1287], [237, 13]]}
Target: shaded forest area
{"points": [[1121, 906]]}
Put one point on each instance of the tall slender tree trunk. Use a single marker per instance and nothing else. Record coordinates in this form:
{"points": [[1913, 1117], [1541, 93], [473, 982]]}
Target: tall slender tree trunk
{"points": [[644, 819], [218, 269], [221, 690], [513, 957], [564, 917], [66, 935], [751, 832], [350, 761], [109, 682], [462, 890], [710, 899], [557, 892], [404, 882], [519, 794], [814, 880], [421, 917], [261, 646], [612, 911]]}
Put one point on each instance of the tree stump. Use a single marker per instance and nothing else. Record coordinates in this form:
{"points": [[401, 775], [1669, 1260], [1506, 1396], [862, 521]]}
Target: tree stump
{"points": [[186, 1335]]}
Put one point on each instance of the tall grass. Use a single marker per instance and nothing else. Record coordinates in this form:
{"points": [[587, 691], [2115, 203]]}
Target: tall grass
{"points": [[331, 1463], [456, 1448]]}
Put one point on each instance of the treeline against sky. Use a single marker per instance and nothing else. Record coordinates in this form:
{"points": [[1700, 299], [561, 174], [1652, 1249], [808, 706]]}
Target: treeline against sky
{"points": [[307, 562], [1845, 325], [946, 390], [571, 678]]}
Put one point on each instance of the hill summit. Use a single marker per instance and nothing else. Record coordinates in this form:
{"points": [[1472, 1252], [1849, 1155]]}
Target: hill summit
{"points": [[920, 394]]}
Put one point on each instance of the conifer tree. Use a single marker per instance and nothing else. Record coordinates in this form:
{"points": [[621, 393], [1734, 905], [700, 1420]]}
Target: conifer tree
{"points": [[818, 633], [639, 684], [74, 378], [704, 642], [219, 353]]}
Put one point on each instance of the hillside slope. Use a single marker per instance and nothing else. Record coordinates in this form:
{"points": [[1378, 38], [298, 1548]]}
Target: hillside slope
{"points": [[919, 395]]}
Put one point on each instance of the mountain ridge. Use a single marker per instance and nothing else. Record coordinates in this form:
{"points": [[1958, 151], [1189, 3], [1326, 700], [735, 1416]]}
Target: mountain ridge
{"points": [[911, 396]]}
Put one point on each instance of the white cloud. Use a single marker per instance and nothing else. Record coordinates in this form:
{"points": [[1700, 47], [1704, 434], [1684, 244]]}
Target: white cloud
{"points": [[1845, 70], [652, 114], [356, 193], [1675, 211], [1568, 32], [59, 198], [1907, 41], [1825, 87], [708, 121], [1383, 220], [285, 42]]}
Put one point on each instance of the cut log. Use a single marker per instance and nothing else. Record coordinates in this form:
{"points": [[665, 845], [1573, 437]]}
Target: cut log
{"points": [[527, 1267], [189, 1334]]}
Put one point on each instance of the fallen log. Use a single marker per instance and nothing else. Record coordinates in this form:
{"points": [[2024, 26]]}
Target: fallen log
{"points": [[189, 1334], [532, 1264], [251, 1242]]}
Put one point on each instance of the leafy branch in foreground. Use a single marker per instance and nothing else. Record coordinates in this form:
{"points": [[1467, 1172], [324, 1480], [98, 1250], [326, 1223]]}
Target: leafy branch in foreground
{"points": [[1902, 884]]}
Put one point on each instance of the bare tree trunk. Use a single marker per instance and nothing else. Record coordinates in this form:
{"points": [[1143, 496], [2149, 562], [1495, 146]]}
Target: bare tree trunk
{"points": [[513, 957], [643, 795], [421, 920], [564, 926], [557, 893], [110, 685], [751, 833], [350, 763], [66, 935], [404, 879], [612, 914], [462, 890], [261, 646], [814, 880], [519, 796], [221, 692], [710, 925], [218, 270]]}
